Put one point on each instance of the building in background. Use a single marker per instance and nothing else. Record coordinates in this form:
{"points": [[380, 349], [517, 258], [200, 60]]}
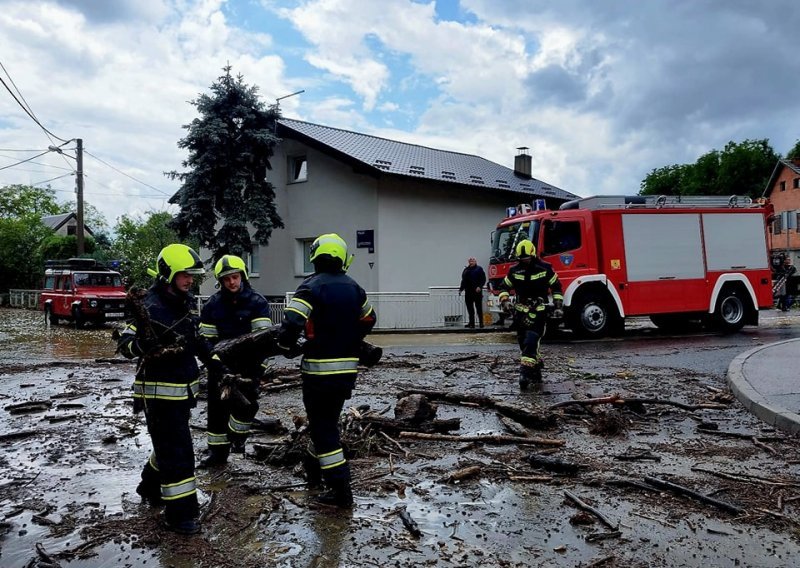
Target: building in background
{"points": [[65, 224], [783, 191], [411, 215]]}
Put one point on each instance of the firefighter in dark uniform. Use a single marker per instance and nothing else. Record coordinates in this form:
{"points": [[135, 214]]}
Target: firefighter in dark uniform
{"points": [[532, 280], [236, 309], [333, 311], [166, 384]]}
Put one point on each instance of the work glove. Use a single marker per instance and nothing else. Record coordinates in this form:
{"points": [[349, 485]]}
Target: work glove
{"points": [[558, 311], [217, 367], [288, 345]]}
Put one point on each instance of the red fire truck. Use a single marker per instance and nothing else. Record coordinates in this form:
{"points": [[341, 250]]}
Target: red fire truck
{"points": [[677, 260]]}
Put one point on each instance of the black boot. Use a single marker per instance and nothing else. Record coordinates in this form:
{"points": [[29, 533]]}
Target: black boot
{"points": [[215, 458], [313, 471], [151, 495], [339, 495]]}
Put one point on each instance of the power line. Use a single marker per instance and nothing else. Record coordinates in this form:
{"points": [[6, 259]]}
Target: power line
{"points": [[16, 150], [23, 161], [121, 192], [29, 114], [52, 179], [126, 175], [41, 164]]}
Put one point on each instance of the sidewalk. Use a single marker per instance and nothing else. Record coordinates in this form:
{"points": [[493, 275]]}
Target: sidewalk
{"points": [[766, 380]]}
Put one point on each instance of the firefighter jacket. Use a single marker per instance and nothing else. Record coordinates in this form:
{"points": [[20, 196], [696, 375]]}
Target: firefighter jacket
{"points": [[531, 282], [227, 315], [336, 316], [167, 345]]}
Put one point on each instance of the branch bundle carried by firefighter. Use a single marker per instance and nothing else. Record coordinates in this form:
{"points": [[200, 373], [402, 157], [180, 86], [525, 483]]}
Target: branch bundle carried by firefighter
{"points": [[235, 310], [163, 335]]}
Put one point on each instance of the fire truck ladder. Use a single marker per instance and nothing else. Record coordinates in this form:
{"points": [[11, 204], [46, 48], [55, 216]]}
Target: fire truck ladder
{"points": [[660, 202]]}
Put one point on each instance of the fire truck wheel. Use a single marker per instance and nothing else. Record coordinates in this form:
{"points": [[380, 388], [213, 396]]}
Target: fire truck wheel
{"points": [[49, 315], [591, 316], [731, 312]]}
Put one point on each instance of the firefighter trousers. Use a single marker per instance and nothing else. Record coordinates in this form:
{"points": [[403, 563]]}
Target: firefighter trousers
{"points": [[170, 468], [530, 330], [229, 420], [323, 409]]}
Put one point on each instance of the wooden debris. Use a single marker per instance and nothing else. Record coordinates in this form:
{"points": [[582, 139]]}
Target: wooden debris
{"points": [[638, 455], [534, 478], [488, 438], [616, 399], [409, 523], [589, 509], [523, 415], [394, 426], [11, 436], [553, 464], [685, 491], [604, 560], [29, 407], [513, 426], [44, 560], [463, 473], [415, 408], [748, 478]]}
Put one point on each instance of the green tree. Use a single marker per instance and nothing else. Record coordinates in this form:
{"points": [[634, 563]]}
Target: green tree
{"points": [[21, 233], [229, 146], [794, 152], [24, 200], [663, 181], [65, 246], [745, 168], [740, 168], [139, 240]]}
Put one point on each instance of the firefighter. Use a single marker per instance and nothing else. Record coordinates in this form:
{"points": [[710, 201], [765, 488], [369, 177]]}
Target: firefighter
{"points": [[333, 311], [164, 337], [234, 310], [532, 280]]}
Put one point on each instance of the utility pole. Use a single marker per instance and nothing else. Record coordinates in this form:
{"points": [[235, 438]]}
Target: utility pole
{"points": [[79, 187]]}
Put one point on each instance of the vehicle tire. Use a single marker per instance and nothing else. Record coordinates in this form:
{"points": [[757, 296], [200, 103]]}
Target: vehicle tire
{"points": [[591, 316], [49, 316], [77, 317], [731, 312]]}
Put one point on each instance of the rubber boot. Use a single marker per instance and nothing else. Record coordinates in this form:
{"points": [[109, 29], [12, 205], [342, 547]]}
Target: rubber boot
{"points": [[217, 457], [339, 495], [313, 471], [181, 526], [152, 495]]}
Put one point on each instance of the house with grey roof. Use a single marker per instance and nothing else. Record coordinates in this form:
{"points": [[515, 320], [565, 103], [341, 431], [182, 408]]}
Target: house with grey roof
{"points": [[783, 191], [412, 215], [64, 224]]}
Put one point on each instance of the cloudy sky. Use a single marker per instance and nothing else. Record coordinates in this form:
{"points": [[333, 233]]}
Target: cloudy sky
{"points": [[601, 91]]}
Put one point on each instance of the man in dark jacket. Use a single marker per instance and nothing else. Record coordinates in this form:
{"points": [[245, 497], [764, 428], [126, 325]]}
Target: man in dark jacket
{"points": [[236, 309], [333, 311], [473, 279], [532, 281], [163, 335]]}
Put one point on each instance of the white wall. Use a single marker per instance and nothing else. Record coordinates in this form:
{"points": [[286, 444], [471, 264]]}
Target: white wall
{"points": [[424, 232]]}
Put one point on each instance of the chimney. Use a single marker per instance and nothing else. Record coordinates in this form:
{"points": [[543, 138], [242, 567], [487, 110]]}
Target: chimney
{"points": [[522, 162]]}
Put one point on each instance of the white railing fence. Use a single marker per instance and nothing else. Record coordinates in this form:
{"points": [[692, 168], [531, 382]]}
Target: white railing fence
{"points": [[439, 307]]}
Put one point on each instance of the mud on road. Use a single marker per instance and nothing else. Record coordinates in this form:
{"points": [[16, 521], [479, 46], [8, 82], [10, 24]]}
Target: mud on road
{"points": [[502, 490]]}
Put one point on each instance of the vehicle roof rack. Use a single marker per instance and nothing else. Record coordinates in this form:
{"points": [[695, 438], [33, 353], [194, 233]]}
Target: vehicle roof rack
{"points": [[76, 264], [659, 202]]}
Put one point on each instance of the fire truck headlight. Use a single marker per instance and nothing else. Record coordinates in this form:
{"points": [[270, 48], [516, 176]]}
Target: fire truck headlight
{"points": [[93, 303]]}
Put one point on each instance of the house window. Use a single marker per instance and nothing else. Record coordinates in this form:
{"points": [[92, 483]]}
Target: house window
{"points": [[304, 250], [253, 262], [72, 229], [797, 221], [777, 225], [298, 169], [782, 186], [796, 183]]}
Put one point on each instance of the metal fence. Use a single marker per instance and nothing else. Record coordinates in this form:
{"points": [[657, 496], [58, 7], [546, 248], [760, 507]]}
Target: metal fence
{"points": [[24, 299]]}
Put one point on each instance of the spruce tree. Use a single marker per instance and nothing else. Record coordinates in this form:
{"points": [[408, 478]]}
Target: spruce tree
{"points": [[224, 192]]}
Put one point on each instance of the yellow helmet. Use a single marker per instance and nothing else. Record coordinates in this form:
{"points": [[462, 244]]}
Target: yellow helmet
{"points": [[230, 264], [176, 258], [331, 244], [525, 249]]}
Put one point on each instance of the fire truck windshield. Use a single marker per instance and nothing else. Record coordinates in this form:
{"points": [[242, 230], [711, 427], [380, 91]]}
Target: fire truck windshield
{"points": [[505, 239], [97, 279]]}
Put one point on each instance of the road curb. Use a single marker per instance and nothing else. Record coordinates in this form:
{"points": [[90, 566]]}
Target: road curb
{"points": [[753, 400]]}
